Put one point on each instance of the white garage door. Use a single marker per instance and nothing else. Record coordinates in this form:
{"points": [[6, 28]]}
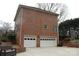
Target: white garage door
{"points": [[48, 42], [29, 42]]}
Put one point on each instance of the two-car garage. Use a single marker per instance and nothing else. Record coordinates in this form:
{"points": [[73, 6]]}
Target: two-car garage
{"points": [[31, 41]]}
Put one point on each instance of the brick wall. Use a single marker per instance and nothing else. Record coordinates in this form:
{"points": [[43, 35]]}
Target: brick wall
{"points": [[32, 22]]}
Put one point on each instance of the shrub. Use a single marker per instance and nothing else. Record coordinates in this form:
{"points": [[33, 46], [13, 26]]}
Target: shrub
{"points": [[11, 37], [4, 38]]}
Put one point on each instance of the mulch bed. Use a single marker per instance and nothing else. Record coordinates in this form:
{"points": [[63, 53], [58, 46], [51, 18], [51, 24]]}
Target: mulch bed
{"points": [[71, 44]]}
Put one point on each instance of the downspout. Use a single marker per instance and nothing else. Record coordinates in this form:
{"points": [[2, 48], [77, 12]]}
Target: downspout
{"points": [[57, 33]]}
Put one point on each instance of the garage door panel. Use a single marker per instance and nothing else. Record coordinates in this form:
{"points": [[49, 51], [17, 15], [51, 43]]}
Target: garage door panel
{"points": [[29, 42], [48, 42]]}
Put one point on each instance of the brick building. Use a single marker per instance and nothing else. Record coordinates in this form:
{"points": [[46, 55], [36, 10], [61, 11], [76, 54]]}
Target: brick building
{"points": [[36, 27]]}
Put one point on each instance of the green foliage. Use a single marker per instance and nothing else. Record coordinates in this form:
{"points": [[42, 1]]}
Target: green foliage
{"points": [[66, 25], [70, 23], [0, 37], [3, 38], [77, 38], [11, 37]]}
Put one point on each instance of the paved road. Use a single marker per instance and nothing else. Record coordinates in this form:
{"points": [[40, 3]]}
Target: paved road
{"points": [[50, 51]]}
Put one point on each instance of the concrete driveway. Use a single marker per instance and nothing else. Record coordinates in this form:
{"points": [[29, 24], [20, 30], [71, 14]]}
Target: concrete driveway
{"points": [[50, 51]]}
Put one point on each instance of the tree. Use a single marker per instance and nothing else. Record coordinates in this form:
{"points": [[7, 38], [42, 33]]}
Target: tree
{"points": [[56, 8], [5, 27], [68, 25], [11, 36]]}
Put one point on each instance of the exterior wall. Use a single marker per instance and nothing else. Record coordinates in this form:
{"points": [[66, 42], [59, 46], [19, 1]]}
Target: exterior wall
{"points": [[18, 27], [32, 22]]}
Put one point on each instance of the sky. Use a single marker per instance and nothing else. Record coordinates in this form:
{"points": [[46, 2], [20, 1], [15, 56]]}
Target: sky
{"points": [[8, 8]]}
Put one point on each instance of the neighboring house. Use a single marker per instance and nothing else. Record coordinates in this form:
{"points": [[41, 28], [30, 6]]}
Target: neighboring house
{"points": [[36, 27]]}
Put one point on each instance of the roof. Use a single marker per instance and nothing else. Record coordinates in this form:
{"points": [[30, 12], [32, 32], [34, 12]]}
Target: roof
{"points": [[33, 8]]}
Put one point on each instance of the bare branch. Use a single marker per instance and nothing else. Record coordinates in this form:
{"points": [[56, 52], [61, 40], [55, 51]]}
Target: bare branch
{"points": [[55, 7]]}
